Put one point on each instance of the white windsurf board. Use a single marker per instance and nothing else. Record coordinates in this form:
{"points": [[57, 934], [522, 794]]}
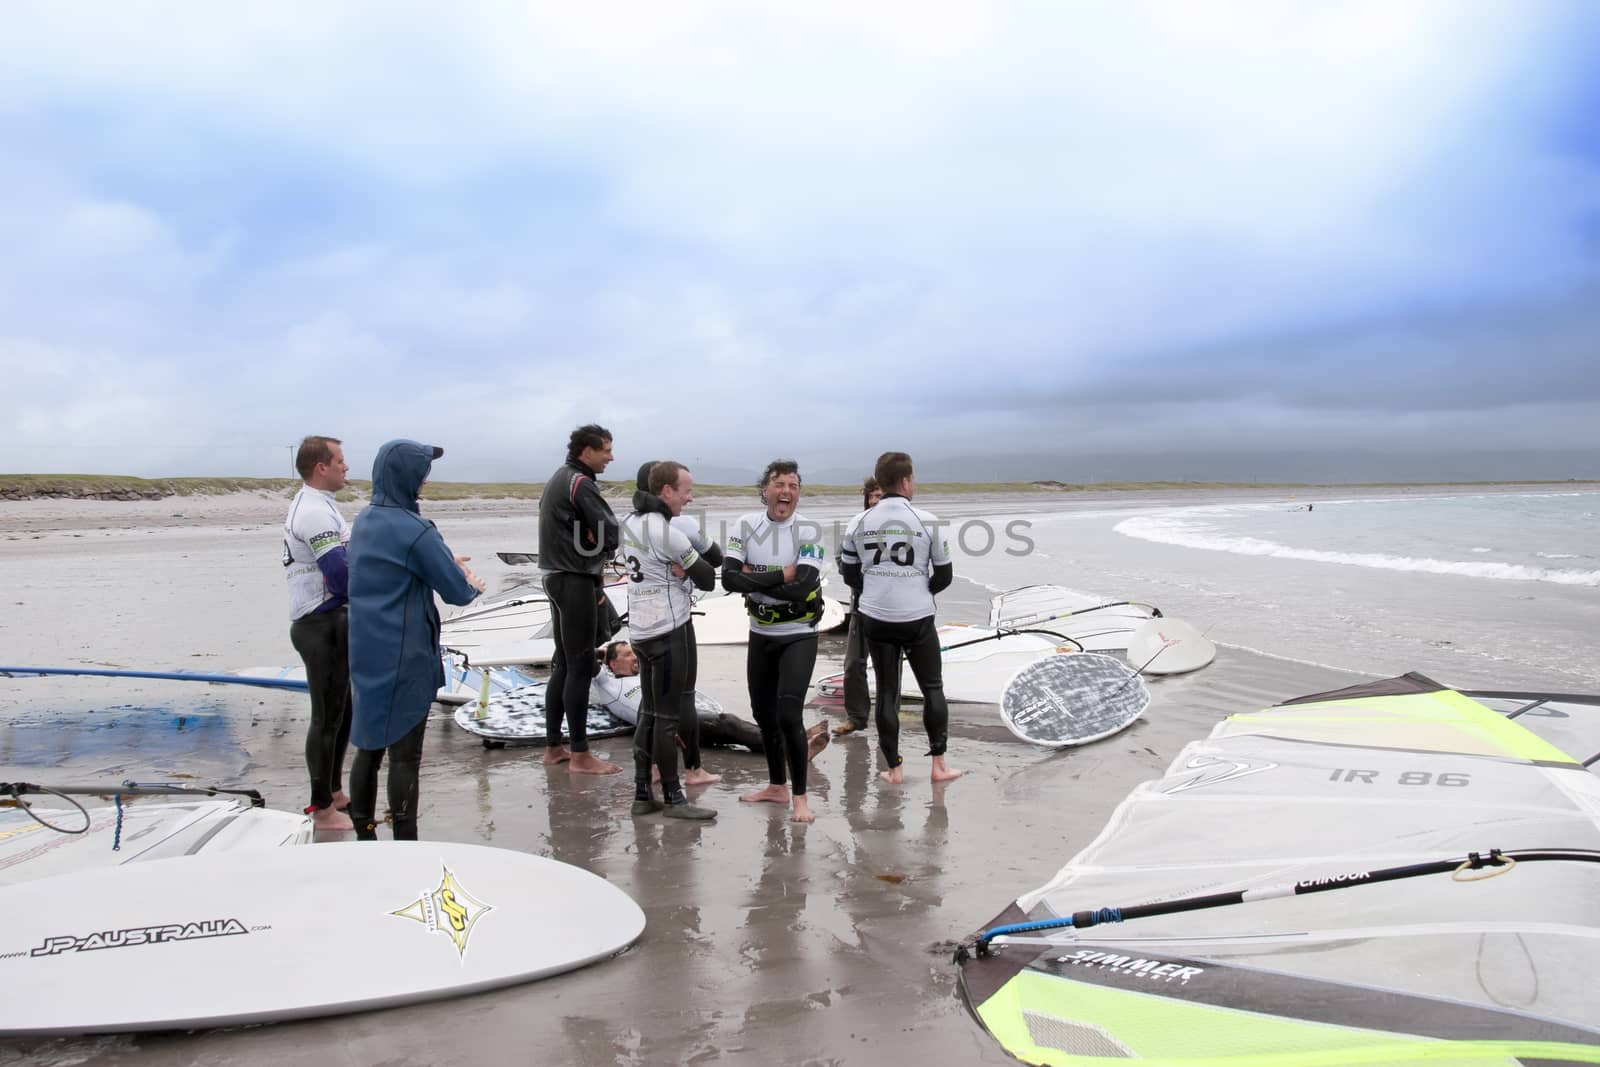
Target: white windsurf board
{"points": [[515, 630], [1073, 699], [975, 673], [462, 681], [1063, 610], [1169, 646], [254, 932]]}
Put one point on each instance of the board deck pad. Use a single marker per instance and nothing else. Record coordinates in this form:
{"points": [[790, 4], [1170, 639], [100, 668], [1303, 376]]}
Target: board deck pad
{"points": [[256, 933], [1073, 699], [517, 717], [1169, 646]]}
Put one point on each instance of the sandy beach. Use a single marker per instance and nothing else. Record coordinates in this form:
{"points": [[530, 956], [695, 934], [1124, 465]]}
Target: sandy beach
{"points": [[766, 942]]}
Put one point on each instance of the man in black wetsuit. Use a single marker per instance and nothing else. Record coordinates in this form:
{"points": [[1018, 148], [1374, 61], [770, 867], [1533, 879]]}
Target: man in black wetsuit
{"points": [[578, 535]]}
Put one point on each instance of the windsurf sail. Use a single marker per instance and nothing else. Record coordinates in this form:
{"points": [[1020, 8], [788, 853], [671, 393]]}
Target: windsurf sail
{"points": [[1246, 906]]}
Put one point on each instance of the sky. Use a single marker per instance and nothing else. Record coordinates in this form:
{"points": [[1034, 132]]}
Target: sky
{"points": [[1056, 239]]}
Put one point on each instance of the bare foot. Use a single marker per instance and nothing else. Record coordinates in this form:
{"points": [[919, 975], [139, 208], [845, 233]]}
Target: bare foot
{"points": [[893, 776], [555, 754], [802, 810], [589, 763], [655, 774], [816, 740], [772, 794], [700, 776], [341, 800], [941, 773], [330, 819]]}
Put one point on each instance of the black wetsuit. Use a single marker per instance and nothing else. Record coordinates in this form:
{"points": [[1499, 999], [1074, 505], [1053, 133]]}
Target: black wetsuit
{"points": [[919, 642], [904, 551], [667, 666], [778, 666], [577, 535], [405, 765]]}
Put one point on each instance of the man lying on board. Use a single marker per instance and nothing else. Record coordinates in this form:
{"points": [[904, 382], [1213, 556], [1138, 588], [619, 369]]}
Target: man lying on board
{"points": [[617, 689]]}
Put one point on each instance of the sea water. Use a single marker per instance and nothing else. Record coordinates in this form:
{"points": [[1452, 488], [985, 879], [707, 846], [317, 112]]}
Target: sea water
{"points": [[1487, 589], [1531, 537]]}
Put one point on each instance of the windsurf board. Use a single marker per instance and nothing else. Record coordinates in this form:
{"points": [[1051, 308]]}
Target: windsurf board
{"points": [[462, 681], [1169, 646], [977, 664], [517, 717], [1073, 699], [1064, 611], [105, 950]]}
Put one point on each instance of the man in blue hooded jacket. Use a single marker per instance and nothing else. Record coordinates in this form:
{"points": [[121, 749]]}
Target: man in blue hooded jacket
{"points": [[398, 560]]}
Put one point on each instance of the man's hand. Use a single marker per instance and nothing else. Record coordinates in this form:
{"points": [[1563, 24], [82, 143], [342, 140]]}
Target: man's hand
{"points": [[678, 572], [472, 579], [789, 572]]}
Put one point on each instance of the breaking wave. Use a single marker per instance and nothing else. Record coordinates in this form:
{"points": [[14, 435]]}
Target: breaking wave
{"points": [[1172, 530]]}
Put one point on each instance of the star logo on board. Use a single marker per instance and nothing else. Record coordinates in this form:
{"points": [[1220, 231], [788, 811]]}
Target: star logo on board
{"points": [[448, 910]]}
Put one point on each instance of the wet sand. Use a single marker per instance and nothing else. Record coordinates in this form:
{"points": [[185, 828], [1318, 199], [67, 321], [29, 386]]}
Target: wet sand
{"points": [[766, 941]]}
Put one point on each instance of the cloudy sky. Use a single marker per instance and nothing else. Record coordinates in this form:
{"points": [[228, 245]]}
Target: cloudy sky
{"points": [[728, 231]]}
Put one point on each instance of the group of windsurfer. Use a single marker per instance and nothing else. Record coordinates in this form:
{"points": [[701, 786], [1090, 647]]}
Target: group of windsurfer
{"points": [[774, 557], [366, 625]]}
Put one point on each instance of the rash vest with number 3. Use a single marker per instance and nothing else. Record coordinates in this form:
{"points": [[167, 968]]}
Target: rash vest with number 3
{"points": [[658, 602]]}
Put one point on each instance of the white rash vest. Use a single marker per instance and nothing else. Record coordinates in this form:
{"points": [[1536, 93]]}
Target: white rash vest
{"points": [[771, 546], [658, 602], [312, 529], [898, 546], [620, 696]]}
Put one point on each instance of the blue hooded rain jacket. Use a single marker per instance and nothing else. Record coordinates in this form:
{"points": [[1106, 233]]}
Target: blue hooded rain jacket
{"points": [[398, 560]]}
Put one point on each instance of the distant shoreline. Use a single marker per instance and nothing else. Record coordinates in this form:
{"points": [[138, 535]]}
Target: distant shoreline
{"points": [[260, 503], [17, 487]]}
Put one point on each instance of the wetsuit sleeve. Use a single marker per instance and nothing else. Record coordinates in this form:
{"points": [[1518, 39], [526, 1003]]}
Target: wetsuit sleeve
{"points": [[702, 574], [943, 568], [806, 581], [851, 570], [734, 580], [712, 554], [431, 558], [335, 567], [596, 515]]}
